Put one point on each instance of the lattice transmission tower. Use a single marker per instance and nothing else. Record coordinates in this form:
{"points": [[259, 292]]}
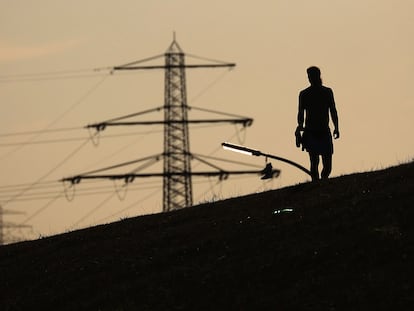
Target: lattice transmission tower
{"points": [[177, 173], [177, 188]]}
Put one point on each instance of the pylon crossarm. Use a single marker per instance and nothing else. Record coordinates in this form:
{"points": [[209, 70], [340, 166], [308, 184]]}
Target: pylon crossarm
{"points": [[102, 125], [139, 61], [150, 160], [133, 65], [219, 112], [159, 108], [174, 66], [207, 59], [129, 177], [245, 122]]}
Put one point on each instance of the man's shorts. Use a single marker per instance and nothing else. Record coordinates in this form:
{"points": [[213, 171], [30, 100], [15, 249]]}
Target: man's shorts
{"points": [[317, 142]]}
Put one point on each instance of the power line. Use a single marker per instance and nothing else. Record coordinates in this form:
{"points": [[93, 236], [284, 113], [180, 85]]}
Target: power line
{"points": [[24, 190], [60, 117], [64, 140], [34, 78], [43, 208], [132, 205], [49, 193], [66, 74], [39, 79], [208, 59], [20, 186], [50, 186], [228, 161], [218, 112], [43, 191], [42, 142], [86, 72], [54, 75], [72, 139], [49, 73], [141, 200], [140, 61], [45, 131], [208, 87], [92, 211]]}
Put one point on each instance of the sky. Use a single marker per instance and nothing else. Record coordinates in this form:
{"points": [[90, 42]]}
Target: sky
{"points": [[55, 57]]}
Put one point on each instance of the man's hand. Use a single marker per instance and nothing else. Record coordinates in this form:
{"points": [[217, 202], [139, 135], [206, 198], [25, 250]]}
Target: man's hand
{"points": [[336, 134], [298, 136]]}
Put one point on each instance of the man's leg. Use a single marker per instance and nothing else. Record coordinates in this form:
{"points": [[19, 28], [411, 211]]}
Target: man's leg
{"points": [[327, 165], [314, 163]]}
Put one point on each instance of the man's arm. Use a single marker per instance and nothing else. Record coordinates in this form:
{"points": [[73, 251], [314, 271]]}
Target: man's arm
{"points": [[334, 116], [301, 113], [301, 118]]}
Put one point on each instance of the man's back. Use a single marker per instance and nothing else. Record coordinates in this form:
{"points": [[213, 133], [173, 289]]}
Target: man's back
{"points": [[316, 101]]}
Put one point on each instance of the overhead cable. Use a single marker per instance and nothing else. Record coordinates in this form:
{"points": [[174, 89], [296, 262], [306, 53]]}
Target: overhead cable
{"points": [[24, 133], [24, 190], [60, 117], [43, 208]]}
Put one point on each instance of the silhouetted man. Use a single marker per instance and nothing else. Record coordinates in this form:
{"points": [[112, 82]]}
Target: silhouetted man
{"points": [[315, 104]]}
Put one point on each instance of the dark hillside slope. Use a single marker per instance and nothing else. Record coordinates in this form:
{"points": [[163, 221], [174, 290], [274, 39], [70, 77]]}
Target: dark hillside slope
{"points": [[342, 244]]}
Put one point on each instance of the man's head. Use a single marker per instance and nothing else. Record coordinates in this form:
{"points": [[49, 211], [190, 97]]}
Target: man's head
{"points": [[314, 75]]}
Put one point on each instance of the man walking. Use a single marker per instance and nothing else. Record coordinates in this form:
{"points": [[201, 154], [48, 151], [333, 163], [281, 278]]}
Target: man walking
{"points": [[315, 104]]}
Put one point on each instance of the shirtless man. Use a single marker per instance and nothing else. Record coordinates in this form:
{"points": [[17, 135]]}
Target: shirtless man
{"points": [[315, 104]]}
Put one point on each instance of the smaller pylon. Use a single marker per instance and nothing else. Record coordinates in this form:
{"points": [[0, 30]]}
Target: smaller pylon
{"points": [[4, 225]]}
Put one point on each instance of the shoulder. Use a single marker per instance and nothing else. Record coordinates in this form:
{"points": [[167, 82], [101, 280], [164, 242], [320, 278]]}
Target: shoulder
{"points": [[305, 91], [327, 89]]}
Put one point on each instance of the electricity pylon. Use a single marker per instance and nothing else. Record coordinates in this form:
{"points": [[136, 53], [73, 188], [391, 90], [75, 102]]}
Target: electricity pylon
{"points": [[177, 173], [4, 225], [177, 190]]}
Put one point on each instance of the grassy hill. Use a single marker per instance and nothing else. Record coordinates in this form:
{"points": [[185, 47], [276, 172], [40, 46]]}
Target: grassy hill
{"points": [[342, 244]]}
